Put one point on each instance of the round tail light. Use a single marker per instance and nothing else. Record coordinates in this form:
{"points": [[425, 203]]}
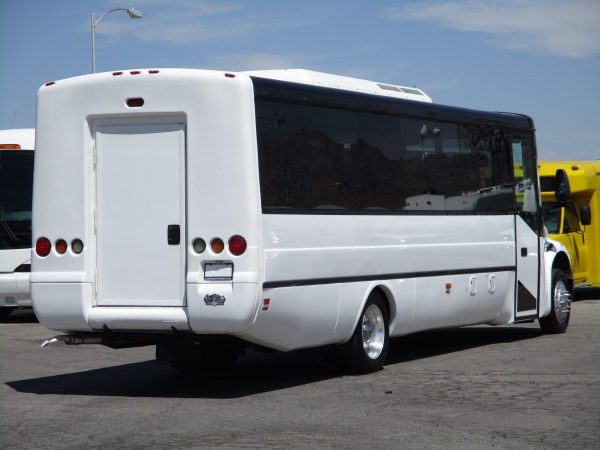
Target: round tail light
{"points": [[199, 245], [61, 246], [43, 247], [237, 245], [77, 246], [217, 245]]}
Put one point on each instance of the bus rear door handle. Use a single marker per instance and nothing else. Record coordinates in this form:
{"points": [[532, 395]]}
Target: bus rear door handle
{"points": [[173, 235], [523, 251]]}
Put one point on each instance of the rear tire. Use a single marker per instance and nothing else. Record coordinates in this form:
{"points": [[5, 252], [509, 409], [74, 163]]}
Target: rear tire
{"points": [[558, 320], [367, 349]]}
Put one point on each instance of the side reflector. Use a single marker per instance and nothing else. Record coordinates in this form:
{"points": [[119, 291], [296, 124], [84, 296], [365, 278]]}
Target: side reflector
{"points": [[217, 245], [135, 102], [43, 247], [237, 245], [10, 147]]}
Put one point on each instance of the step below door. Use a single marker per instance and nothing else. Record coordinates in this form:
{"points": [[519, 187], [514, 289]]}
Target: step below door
{"points": [[140, 215]]}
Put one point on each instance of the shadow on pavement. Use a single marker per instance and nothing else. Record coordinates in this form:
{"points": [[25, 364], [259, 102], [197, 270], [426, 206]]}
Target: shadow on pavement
{"points": [[441, 342], [586, 293], [24, 315], [256, 372]]}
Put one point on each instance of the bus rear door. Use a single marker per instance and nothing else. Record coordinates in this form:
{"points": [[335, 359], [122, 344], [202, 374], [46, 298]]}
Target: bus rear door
{"points": [[140, 215]]}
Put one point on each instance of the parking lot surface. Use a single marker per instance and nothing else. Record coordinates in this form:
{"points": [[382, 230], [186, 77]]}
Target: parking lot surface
{"points": [[475, 387]]}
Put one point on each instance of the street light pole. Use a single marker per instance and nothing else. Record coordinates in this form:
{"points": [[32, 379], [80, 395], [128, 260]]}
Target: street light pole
{"points": [[132, 12]]}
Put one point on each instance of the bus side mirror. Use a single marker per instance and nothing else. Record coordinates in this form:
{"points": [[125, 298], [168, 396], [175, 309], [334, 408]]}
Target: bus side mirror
{"points": [[562, 189], [585, 214]]}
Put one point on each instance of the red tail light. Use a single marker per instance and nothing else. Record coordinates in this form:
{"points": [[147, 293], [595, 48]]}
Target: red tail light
{"points": [[237, 245], [43, 247]]}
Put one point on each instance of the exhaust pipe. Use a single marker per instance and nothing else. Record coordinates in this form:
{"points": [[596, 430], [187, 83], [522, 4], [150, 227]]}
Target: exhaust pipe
{"points": [[70, 339]]}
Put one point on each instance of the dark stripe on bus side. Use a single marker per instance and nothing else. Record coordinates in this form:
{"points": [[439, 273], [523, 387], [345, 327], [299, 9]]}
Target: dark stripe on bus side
{"points": [[376, 212], [391, 276]]}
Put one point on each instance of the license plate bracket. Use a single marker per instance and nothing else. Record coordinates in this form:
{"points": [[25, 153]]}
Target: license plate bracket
{"points": [[218, 271]]}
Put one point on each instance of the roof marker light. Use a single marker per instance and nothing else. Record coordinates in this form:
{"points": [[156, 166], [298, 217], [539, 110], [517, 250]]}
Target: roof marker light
{"points": [[135, 72], [153, 71], [117, 73], [230, 75], [50, 83], [135, 102]]}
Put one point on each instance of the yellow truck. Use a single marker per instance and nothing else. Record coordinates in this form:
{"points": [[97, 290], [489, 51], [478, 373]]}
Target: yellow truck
{"points": [[574, 218]]}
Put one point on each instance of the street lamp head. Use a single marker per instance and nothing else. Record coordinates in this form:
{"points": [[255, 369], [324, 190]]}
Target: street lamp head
{"points": [[134, 14]]}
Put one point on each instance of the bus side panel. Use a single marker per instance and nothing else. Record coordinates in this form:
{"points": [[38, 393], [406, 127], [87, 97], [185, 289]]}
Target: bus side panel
{"points": [[296, 317], [411, 257]]}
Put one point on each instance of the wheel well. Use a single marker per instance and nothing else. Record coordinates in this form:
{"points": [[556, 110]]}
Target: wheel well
{"points": [[562, 262], [385, 295]]}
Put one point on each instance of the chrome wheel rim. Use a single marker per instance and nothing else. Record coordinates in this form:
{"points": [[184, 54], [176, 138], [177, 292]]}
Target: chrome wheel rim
{"points": [[373, 332], [562, 301]]}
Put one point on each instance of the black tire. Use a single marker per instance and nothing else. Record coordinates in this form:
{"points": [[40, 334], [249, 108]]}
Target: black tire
{"points": [[5, 312], [558, 320], [359, 353]]}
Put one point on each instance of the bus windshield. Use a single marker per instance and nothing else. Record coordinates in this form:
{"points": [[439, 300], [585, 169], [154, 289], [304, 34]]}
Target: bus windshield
{"points": [[16, 186]]}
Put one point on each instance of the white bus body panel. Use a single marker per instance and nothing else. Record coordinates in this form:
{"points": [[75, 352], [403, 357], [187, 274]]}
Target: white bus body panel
{"points": [[221, 198], [14, 286], [397, 248]]}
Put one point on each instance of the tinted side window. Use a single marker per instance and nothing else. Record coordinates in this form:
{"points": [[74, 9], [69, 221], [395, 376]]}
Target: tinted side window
{"points": [[321, 158]]}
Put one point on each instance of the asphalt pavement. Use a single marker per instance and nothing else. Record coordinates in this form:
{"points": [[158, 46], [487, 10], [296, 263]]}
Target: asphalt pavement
{"points": [[474, 387]]}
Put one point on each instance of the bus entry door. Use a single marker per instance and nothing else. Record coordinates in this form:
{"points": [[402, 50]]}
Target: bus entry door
{"points": [[527, 227]]}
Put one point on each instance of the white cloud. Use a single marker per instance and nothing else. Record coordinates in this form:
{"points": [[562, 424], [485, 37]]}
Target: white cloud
{"points": [[189, 22], [565, 28]]}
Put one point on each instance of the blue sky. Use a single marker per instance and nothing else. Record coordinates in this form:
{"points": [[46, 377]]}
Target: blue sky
{"points": [[537, 57]]}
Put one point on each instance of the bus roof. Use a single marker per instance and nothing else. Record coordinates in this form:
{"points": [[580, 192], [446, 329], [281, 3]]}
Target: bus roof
{"points": [[314, 78], [24, 138]]}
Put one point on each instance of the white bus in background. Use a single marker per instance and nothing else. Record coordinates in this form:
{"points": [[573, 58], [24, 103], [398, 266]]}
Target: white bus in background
{"points": [[204, 211], [16, 186]]}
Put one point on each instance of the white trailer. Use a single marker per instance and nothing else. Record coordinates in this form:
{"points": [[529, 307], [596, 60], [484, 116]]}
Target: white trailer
{"points": [[202, 211]]}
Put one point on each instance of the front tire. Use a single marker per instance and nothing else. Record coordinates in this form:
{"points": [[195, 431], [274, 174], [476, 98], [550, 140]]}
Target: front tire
{"points": [[558, 320], [367, 349]]}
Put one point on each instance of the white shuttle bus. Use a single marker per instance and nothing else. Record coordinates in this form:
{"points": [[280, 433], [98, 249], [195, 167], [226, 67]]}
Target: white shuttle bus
{"points": [[16, 190], [204, 211]]}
